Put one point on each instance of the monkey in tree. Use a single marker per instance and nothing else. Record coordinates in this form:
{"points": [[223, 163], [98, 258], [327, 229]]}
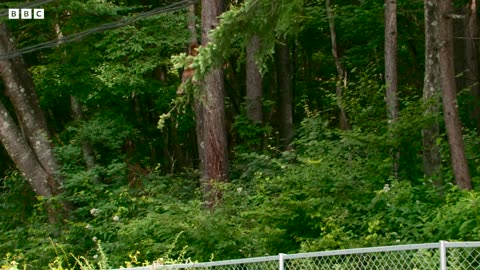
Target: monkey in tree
{"points": [[189, 71]]}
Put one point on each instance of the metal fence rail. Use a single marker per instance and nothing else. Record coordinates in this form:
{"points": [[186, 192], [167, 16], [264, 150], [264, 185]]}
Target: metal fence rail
{"points": [[443, 255]]}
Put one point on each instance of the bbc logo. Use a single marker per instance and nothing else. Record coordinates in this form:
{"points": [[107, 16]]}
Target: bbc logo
{"points": [[26, 13]]}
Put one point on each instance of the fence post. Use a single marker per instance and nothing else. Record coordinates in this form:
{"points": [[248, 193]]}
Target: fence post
{"points": [[281, 265], [443, 255]]}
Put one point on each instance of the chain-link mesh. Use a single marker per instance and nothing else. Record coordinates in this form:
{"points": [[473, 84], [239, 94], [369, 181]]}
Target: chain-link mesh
{"points": [[427, 259], [262, 263], [467, 258], [456, 256]]}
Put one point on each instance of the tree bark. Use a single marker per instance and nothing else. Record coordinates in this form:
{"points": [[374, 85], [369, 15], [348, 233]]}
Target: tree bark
{"points": [[216, 163], [391, 76], [20, 89], [284, 78], [449, 91], [471, 58], [192, 26], [198, 102], [465, 32], [22, 155], [431, 94], [254, 83], [341, 75]]}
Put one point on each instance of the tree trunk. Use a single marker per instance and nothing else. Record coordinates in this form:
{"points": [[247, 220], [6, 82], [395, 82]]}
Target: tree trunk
{"points": [[216, 163], [465, 32], [254, 83], [77, 113], [192, 26], [459, 48], [199, 129], [471, 58], [198, 102], [391, 77], [431, 94], [449, 91], [341, 76], [284, 78], [23, 156], [20, 89], [87, 149]]}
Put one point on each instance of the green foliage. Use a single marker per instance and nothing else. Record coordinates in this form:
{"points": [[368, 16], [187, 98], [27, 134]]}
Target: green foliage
{"points": [[106, 134], [362, 95], [251, 136], [333, 190], [401, 212], [133, 51], [267, 19], [458, 218], [472, 149]]}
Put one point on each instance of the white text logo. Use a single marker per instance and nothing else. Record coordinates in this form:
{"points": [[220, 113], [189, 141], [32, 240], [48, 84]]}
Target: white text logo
{"points": [[26, 13]]}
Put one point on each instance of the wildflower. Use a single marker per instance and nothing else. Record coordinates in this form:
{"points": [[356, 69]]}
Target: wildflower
{"points": [[94, 239], [95, 257], [88, 227], [94, 211], [116, 218], [386, 188]]}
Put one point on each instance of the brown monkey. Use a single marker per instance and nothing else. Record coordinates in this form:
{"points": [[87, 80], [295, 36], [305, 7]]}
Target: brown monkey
{"points": [[188, 72]]}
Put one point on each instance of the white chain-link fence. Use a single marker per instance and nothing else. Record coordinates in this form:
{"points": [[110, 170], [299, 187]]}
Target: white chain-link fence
{"points": [[443, 255]]}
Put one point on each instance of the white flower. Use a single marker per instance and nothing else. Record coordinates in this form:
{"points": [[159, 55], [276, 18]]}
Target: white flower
{"points": [[94, 211], [386, 188], [95, 256], [94, 239], [88, 227], [116, 218], [239, 190]]}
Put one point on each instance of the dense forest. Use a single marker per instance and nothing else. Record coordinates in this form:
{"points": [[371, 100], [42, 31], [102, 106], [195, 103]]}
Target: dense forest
{"points": [[179, 130]]}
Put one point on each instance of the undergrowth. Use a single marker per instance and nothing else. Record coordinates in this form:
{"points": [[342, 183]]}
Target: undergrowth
{"points": [[333, 191]]}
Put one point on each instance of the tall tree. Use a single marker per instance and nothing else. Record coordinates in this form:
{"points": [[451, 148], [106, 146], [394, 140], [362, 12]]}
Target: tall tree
{"points": [[431, 93], [20, 90], [213, 134], [465, 31], [391, 76], [341, 75], [254, 82], [285, 81], [198, 102], [77, 112], [472, 76], [449, 96], [28, 143]]}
